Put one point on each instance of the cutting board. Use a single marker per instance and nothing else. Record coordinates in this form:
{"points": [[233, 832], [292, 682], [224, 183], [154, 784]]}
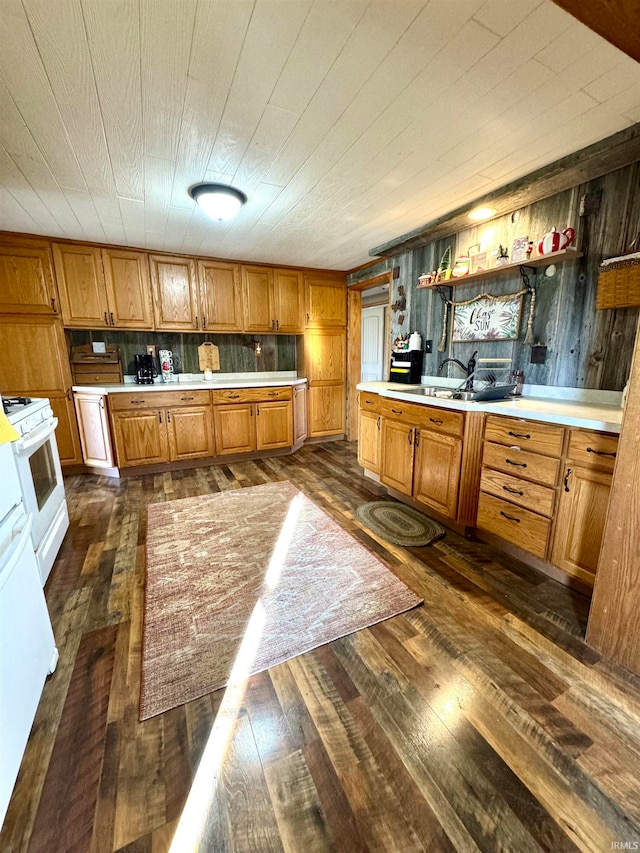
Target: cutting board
{"points": [[208, 356]]}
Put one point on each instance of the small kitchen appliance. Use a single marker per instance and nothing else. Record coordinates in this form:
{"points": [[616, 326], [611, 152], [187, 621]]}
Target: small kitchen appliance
{"points": [[145, 371], [166, 365], [406, 366]]}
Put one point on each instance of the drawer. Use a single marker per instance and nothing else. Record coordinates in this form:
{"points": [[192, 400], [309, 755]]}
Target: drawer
{"points": [[528, 435], [592, 449], [540, 499], [370, 402], [521, 463], [97, 378], [140, 399], [521, 527], [425, 417], [250, 395]]}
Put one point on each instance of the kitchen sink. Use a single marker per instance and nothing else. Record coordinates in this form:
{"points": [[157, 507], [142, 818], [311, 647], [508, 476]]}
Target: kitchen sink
{"points": [[442, 392]]}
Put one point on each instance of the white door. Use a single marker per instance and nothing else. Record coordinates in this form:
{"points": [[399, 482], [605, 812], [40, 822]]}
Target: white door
{"points": [[373, 343]]}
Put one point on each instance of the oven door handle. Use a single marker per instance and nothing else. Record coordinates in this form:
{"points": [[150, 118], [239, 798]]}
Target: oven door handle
{"points": [[16, 551], [24, 445]]}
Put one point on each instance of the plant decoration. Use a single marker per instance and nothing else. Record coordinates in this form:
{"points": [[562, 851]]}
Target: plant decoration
{"points": [[444, 267], [502, 255]]}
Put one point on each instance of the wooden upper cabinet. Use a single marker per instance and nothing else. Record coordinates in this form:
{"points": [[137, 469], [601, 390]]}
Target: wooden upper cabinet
{"points": [[175, 293], [34, 356], [326, 302], [128, 287], [220, 296], [26, 281], [257, 294], [83, 297], [325, 355], [288, 301]]}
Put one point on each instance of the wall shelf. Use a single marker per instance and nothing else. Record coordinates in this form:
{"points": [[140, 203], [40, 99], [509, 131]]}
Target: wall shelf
{"points": [[496, 272]]}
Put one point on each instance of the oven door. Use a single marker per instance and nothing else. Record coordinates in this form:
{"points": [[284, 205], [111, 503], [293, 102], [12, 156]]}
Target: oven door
{"points": [[40, 475]]}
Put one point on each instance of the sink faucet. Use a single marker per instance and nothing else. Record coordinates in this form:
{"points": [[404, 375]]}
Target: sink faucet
{"points": [[469, 369]]}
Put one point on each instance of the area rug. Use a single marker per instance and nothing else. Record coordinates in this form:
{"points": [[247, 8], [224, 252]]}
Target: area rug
{"points": [[243, 580], [399, 524]]}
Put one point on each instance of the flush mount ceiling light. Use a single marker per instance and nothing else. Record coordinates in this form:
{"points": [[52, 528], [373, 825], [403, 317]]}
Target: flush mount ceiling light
{"points": [[482, 213], [218, 200]]}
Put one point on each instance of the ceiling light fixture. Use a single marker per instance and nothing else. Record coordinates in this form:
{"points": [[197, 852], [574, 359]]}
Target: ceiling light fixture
{"points": [[218, 200], [481, 213]]}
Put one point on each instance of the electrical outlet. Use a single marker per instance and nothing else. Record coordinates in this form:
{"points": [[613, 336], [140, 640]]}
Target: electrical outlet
{"points": [[428, 347], [538, 354], [151, 350]]}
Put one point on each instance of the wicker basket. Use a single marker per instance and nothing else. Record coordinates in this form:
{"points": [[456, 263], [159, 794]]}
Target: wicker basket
{"points": [[619, 282]]}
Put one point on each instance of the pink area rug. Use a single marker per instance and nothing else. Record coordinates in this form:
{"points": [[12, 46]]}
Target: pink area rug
{"points": [[246, 579]]}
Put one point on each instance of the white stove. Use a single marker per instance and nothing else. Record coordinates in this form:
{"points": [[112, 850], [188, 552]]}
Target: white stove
{"points": [[38, 463]]}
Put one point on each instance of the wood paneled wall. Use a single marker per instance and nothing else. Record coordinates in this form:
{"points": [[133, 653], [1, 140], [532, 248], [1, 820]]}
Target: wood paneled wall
{"points": [[585, 348]]}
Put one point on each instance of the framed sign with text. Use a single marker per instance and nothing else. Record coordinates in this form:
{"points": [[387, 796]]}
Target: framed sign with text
{"points": [[487, 319]]}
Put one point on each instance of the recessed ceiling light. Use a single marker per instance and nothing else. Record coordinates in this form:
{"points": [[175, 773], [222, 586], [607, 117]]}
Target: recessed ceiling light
{"points": [[218, 200], [482, 213]]}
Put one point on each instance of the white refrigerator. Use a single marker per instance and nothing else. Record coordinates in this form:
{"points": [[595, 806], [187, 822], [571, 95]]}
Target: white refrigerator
{"points": [[27, 648]]}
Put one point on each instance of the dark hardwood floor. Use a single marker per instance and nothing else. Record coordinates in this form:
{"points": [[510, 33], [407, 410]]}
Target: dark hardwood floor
{"points": [[478, 721]]}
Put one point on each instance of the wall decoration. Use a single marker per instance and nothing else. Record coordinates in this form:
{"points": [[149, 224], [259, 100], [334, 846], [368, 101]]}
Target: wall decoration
{"points": [[519, 249], [461, 267], [555, 241], [473, 250], [478, 262], [487, 318], [502, 255], [427, 279]]}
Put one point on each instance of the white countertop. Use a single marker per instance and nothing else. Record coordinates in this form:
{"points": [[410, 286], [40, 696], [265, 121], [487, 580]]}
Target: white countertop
{"points": [[587, 414], [225, 380]]}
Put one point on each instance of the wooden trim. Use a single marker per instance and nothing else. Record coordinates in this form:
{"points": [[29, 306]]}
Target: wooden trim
{"points": [[368, 283], [617, 22], [614, 620], [354, 358], [616, 151], [471, 468], [363, 266]]}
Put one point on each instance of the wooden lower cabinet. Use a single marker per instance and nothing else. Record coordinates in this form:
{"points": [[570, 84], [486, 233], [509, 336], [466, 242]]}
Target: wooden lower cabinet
{"points": [[274, 425], [93, 426], [326, 409], [67, 437], [581, 520], [436, 478], [190, 432], [234, 428], [299, 413], [397, 455], [140, 437], [369, 441], [521, 527]]}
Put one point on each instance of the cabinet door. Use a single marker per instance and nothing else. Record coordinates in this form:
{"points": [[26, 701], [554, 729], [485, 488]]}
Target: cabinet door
{"points": [[288, 301], [67, 437], [235, 428], [26, 281], [190, 432], [274, 425], [140, 437], [257, 294], [369, 433], [580, 520], [34, 356], [397, 456], [299, 413], [95, 438], [175, 293], [326, 409], [83, 296], [325, 355], [128, 288], [220, 296], [326, 302], [437, 471]]}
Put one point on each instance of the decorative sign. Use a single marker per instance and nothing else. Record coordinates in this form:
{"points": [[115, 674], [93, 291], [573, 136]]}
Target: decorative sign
{"points": [[520, 250], [487, 319], [478, 262]]}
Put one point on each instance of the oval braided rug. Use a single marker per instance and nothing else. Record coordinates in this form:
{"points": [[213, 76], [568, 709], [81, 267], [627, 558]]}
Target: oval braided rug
{"points": [[399, 524]]}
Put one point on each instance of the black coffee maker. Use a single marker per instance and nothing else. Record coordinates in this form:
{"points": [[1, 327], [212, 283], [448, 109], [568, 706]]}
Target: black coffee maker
{"points": [[145, 371]]}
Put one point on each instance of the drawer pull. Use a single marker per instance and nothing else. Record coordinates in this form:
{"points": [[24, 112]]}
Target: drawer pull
{"points": [[113, 322], [513, 491], [566, 479], [417, 442], [378, 419], [510, 517], [234, 396], [436, 420], [169, 416], [187, 398], [517, 464], [369, 402], [519, 434], [410, 436], [159, 417], [275, 394], [106, 318], [397, 411], [137, 401], [601, 452]]}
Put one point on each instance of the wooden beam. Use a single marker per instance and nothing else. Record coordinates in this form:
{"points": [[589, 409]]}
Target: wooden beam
{"points": [[375, 281], [614, 619], [614, 152], [354, 357], [617, 21]]}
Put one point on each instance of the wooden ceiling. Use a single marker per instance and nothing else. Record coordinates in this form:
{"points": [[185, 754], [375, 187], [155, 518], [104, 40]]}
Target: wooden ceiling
{"points": [[346, 123]]}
